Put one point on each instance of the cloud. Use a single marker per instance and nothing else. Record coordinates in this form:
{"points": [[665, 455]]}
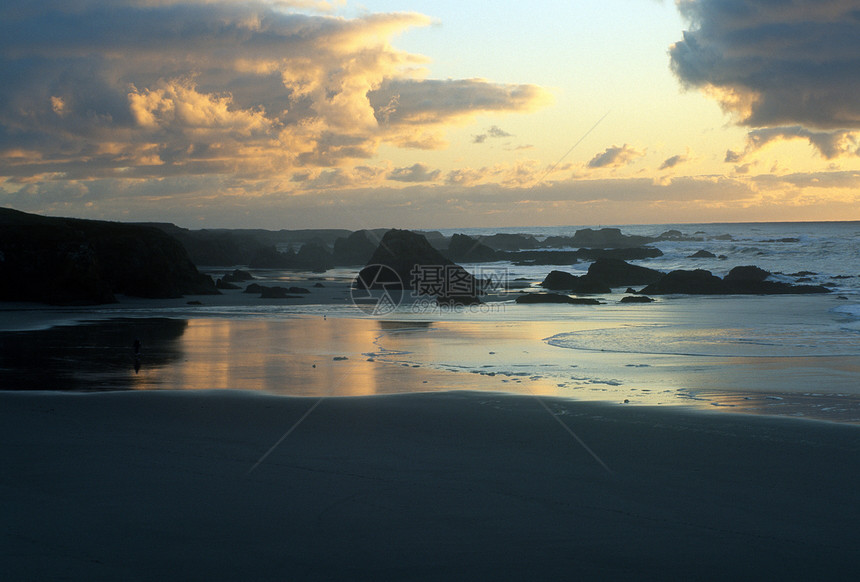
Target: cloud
{"points": [[150, 89], [493, 132], [414, 173], [674, 161], [773, 64], [423, 101], [615, 157], [830, 144]]}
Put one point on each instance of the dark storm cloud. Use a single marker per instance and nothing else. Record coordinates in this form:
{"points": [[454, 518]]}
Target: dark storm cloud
{"points": [[830, 144], [775, 62]]}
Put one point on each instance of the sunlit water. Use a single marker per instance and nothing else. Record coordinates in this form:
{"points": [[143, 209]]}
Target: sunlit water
{"points": [[786, 355]]}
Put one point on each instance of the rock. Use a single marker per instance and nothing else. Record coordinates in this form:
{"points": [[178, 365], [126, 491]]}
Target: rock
{"points": [[510, 242], [276, 293], [617, 273], [740, 281], [636, 299], [271, 258], [751, 280], [559, 280], [74, 261], [314, 257], [298, 290], [224, 285], [238, 276], [562, 281], [356, 249], [254, 288], [703, 254], [698, 282], [533, 298], [319, 285], [467, 249], [419, 267], [607, 238]]}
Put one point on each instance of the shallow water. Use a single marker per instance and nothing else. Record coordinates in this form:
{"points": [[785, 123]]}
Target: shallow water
{"points": [[789, 355], [722, 353]]}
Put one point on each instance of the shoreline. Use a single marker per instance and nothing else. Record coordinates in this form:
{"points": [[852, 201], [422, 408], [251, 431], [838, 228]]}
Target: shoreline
{"points": [[453, 485], [303, 353]]}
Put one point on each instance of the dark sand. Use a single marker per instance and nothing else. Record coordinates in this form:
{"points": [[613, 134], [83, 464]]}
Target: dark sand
{"points": [[156, 485]]}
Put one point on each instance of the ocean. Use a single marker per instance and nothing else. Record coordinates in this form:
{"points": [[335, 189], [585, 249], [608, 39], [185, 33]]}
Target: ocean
{"points": [[789, 355]]}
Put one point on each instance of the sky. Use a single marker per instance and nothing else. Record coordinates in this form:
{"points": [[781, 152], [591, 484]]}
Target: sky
{"points": [[431, 114]]}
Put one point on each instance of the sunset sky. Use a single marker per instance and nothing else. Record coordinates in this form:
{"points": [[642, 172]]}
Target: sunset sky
{"points": [[430, 114]]}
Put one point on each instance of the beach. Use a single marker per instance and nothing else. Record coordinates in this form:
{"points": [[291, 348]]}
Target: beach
{"points": [[237, 437], [456, 485]]}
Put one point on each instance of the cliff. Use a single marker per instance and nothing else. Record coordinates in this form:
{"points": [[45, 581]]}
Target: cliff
{"points": [[74, 261]]}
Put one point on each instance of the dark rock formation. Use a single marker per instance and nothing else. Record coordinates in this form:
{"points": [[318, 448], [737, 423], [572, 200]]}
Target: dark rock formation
{"points": [[356, 249], [617, 273], [534, 298], [752, 280], [562, 281], [65, 260], [421, 268], [636, 299], [469, 250], [271, 258], [313, 256], [698, 282], [740, 280], [276, 293], [703, 254], [559, 280], [607, 238], [510, 242], [238, 276], [225, 285]]}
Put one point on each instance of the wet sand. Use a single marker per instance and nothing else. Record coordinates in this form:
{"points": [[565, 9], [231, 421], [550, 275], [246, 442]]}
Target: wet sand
{"points": [[462, 485]]}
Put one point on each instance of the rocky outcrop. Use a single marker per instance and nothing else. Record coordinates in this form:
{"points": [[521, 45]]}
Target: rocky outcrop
{"points": [[469, 250], [698, 282], [607, 238], [420, 267], [510, 242], [636, 299], [618, 273], [747, 280], [355, 249], [73, 261], [238, 276], [311, 257], [702, 254], [563, 281]]}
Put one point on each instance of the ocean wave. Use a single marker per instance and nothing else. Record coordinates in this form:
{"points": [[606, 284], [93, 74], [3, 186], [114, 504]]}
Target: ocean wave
{"points": [[767, 342]]}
